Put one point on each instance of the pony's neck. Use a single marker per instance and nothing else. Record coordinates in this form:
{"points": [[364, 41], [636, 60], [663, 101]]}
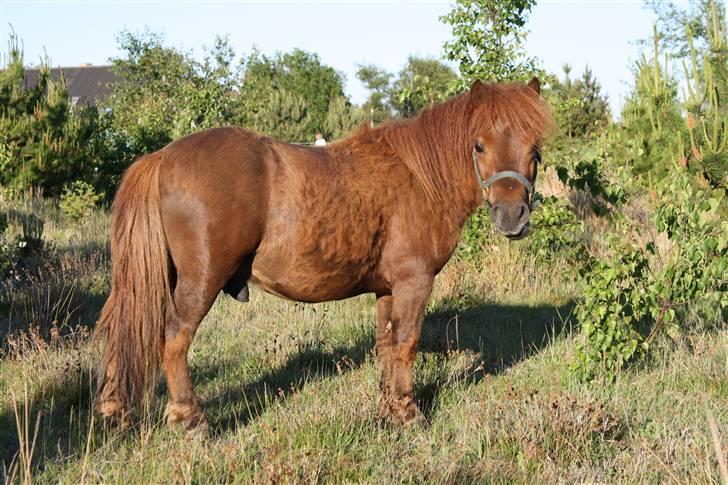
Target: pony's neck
{"points": [[437, 148]]}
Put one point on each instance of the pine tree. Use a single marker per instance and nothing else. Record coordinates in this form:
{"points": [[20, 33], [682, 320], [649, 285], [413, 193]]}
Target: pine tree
{"points": [[44, 141], [582, 109]]}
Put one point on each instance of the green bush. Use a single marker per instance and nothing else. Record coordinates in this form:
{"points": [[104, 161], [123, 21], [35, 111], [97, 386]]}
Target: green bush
{"points": [[556, 232], [474, 235], [642, 291], [78, 200], [587, 175], [8, 252]]}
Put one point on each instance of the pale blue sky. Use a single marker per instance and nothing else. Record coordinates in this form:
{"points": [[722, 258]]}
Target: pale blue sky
{"points": [[597, 33]]}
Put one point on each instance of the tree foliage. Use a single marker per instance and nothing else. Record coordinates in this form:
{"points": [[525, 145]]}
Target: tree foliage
{"points": [[299, 83], [677, 19], [377, 81], [283, 114], [706, 93], [421, 83], [673, 276], [488, 38], [44, 140], [582, 108], [342, 119], [164, 93], [652, 118]]}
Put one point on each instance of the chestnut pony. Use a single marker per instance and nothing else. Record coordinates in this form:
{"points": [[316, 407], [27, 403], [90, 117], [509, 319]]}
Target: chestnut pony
{"points": [[378, 212]]}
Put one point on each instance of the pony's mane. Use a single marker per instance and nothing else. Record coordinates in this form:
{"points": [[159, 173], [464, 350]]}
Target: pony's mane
{"points": [[436, 146]]}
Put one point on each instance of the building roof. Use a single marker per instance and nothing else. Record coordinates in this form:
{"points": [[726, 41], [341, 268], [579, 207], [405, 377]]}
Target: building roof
{"points": [[86, 84]]}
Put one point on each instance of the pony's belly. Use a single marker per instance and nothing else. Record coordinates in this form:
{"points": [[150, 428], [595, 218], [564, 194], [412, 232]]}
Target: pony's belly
{"points": [[303, 281], [317, 252]]}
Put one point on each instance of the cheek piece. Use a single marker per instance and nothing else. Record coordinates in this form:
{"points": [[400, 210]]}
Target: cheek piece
{"points": [[484, 184]]}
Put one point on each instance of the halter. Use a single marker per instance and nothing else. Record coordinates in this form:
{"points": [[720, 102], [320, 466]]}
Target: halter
{"points": [[484, 184]]}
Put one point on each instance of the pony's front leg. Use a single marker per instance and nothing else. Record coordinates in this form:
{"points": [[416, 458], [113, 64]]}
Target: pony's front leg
{"points": [[397, 340], [385, 342]]}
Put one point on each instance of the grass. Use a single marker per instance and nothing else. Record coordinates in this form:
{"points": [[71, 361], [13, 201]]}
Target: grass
{"points": [[290, 389]]}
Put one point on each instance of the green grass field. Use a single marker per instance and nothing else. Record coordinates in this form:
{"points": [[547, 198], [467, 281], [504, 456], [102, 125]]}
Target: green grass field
{"points": [[290, 390]]}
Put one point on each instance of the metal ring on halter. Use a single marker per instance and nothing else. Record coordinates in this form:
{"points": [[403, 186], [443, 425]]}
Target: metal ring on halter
{"points": [[484, 184]]}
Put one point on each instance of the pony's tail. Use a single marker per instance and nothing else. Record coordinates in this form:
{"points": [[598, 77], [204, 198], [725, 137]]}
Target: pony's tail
{"points": [[131, 325]]}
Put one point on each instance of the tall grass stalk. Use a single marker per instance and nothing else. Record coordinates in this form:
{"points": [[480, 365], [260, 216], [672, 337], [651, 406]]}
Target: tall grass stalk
{"points": [[23, 460]]}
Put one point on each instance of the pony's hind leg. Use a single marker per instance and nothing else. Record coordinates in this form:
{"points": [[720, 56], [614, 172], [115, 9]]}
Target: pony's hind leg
{"points": [[192, 300], [201, 272]]}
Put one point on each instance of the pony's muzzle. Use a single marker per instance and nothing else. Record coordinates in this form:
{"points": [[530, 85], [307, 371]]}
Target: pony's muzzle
{"points": [[511, 219]]}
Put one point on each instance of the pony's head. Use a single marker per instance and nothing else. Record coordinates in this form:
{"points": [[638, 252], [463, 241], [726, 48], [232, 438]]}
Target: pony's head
{"points": [[508, 123]]}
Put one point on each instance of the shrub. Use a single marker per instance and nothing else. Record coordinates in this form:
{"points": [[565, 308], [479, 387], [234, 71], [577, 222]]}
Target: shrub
{"points": [[640, 291], [78, 200], [556, 232], [474, 235], [8, 253]]}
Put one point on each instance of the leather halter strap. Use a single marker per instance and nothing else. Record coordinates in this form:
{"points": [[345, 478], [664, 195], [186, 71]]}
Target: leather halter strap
{"points": [[499, 176]]}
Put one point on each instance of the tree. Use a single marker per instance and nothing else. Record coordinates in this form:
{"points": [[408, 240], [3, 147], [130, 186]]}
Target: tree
{"points": [[161, 94], [284, 115], [652, 118], [44, 141], [303, 73], [377, 81], [678, 22], [488, 40], [342, 118], [164, 93], [582, 108], [421, 83], [706, 82], [297, 75]]}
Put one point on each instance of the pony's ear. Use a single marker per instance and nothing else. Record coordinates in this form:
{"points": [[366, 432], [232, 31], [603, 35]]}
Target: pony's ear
{"points": [[476, 86], [476, 90], [535, 85]]}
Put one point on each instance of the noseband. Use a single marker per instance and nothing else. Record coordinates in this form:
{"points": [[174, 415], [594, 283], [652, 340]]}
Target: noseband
{"points": [[484, 184]]}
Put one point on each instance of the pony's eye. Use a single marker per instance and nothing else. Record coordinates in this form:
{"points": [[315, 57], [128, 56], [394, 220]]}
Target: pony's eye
{"points": [[537, 156], [479, 148]]}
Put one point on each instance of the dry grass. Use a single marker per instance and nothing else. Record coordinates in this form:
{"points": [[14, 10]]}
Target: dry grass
{"points": [[290, 390]]}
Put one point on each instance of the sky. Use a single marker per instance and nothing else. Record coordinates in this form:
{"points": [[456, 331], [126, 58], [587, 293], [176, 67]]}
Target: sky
{"points": [[600, 34]]}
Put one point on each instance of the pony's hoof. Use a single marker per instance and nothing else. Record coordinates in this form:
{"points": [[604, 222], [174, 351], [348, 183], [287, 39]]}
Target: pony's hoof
{"points": [[189, 416], [404, 412], [113, 413], [197, 429], [409, 414]]}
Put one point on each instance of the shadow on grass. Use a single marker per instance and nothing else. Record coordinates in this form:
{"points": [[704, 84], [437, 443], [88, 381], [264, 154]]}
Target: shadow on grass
{"points": [[502, 335], [237, 406], [62, 411]]}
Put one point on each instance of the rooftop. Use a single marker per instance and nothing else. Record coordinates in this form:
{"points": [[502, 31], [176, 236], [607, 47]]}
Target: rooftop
{"points": [[87, 84]]}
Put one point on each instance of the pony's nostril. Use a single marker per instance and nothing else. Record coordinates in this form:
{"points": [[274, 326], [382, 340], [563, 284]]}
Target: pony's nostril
{"points": [[496, 214], [523, 213]]}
